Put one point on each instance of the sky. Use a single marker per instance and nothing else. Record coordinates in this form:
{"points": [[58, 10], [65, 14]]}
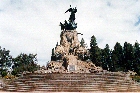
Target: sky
{"points": [[32, 26]]}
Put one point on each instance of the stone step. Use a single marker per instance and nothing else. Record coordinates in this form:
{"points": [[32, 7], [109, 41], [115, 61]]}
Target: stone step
{"points": [[107, 86], [73, 75], [22, 79], [37, 75], [40, 83], [77, 77], [43, 85], [123, 85], [30, 81], [70, 85], [133, 86], [18, 82], [23, 90], [108, 82], [68, 89], [102, 81], [26, 86], [22, 84], [11, 89], [121, 88], [66, 83], [65, 80], [110, 90], [120, 80], [74, 78], [10, 85]]}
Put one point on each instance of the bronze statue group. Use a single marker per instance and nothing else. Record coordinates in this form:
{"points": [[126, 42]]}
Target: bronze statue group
{"points": [[70, 24]]}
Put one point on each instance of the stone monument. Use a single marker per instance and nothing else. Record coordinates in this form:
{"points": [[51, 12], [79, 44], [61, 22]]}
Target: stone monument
{"points": [[70, 56]]}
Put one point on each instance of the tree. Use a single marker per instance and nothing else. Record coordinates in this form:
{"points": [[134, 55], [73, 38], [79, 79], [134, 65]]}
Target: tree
{"points": [[95, 52], [137, 57], [128, 57], [5, 61], [53, 57], [114, 62], [24, 62], [106, 58], [117, 56], [82, 42]]}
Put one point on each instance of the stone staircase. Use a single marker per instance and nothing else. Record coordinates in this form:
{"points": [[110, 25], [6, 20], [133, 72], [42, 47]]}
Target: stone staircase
{"points": [[73, 82]]}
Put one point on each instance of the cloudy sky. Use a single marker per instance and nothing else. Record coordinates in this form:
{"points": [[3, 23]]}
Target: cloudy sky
{"points": [[32, 26]]}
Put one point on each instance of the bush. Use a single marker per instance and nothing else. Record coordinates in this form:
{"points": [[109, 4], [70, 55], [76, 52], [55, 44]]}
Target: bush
{"points": [[136, 78], [14, 72], [3, 73]]}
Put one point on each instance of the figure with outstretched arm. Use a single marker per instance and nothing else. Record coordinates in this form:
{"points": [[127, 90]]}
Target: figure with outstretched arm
{"points": [[69, 10], [73, 11], [70, 24]]}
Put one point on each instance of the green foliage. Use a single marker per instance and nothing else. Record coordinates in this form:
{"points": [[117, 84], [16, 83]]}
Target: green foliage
{"points": [[95, 51], [14, 72], [136, 78], [3, 73], [136, 60], [5, 60], [117, 57], [128, 57], [106, 58], [24, 62], [121, 58], [93, 42]]}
